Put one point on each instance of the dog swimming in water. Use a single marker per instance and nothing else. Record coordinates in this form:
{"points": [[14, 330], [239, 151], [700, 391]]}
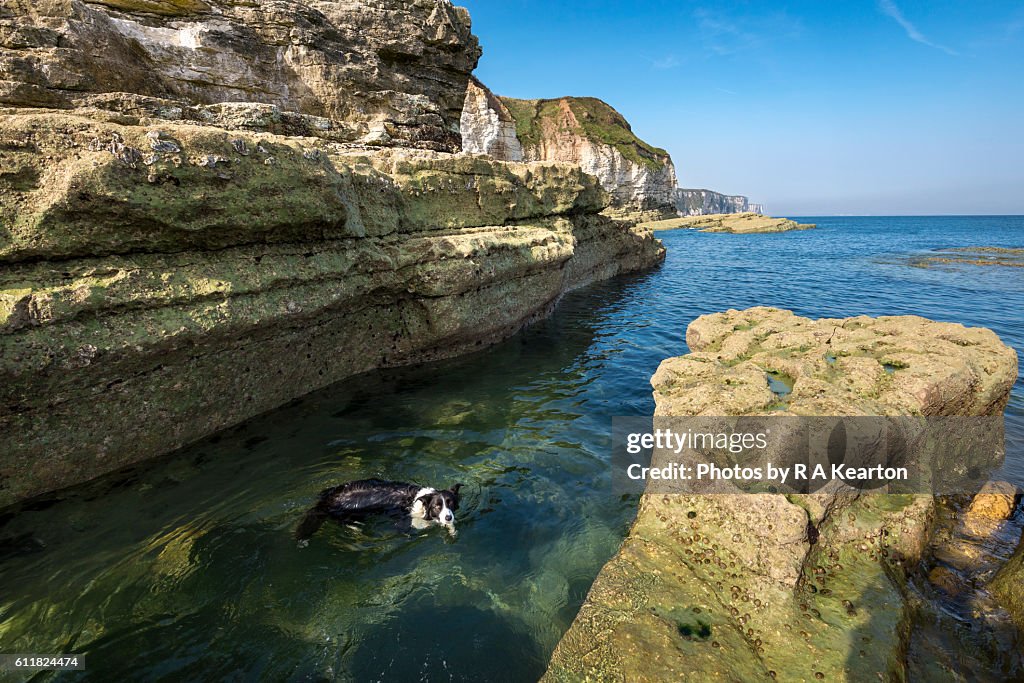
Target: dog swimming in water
{"points": [[421, 506]]}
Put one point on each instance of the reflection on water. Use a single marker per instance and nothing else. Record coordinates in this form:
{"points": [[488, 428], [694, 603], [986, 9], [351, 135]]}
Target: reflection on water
{"points": [[185, 569]]}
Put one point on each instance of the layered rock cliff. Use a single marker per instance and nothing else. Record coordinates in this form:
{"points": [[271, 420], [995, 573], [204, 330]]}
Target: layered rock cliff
{"points": [[583, 131], [172, 264], [377, 71], [704, 202], [794, 587]]}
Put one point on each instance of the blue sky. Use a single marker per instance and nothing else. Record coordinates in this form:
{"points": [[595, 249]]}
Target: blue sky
{"points": [[814, 108]]}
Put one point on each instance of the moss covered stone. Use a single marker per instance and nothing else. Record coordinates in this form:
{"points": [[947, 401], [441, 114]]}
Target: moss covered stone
{"points": [[1008, 586], [161, 282], [788, 587]]}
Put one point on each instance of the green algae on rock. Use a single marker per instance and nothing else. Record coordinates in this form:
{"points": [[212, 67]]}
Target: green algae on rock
{"points": [[233, 204], [1008, 586], [156, 277], [75, 187], [793, 587]]}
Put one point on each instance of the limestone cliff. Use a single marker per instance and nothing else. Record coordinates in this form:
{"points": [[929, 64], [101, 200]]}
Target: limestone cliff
{"points": [[487, 125], [578, 130], [704, 202], [793, 587], [173, 261], [378, 71], [148, 298]]}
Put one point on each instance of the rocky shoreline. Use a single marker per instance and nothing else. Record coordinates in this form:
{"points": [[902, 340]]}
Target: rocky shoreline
{"points": [[150, 298], [787, 586], [209, 208], [735, 223], [179, 256]]}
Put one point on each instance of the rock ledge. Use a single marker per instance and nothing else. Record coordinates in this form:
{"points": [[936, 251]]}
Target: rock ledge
{"points": [[769, 586]]}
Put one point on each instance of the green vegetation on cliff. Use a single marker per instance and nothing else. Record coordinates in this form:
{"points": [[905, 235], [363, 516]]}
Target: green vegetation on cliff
{"points": [[590, 118]]}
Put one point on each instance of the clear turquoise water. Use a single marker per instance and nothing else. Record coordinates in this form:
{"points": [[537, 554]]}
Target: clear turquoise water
{"points": [[185, 569]]}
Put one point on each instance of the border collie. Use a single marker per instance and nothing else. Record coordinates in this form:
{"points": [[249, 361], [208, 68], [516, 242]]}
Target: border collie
{"points": [[357, 500]]}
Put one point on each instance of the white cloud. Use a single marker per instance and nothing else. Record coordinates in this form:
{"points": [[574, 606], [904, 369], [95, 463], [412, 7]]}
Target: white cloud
{"points": [[889, 8], [666, 62], [728, 34]]}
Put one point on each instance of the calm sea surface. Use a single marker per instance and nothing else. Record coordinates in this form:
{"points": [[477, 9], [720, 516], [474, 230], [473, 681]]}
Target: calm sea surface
{"points": [[185, 568]]}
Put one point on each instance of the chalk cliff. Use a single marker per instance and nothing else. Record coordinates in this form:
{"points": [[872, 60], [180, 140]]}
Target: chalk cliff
{"points": [[578, 130], [704, 202], [487, 125], [187, 240]]}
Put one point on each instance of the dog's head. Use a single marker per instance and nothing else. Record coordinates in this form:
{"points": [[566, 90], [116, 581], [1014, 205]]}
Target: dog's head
{"points": [[440, 506]]}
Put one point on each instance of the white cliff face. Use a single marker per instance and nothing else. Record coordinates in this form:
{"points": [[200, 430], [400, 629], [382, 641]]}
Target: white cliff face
{"points": [[487, 126], [704, 202], [632, 185], [572, 131]]}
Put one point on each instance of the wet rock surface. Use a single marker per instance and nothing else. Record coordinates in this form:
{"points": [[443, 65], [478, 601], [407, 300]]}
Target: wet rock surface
{"points": [[771, 586], [996, 502], [209, 208], [149, 296], [971, 256], [1007, 586]]}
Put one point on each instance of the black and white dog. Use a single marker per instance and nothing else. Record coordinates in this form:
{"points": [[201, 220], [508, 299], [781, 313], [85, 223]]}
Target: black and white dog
{"points": [[358, 500]]}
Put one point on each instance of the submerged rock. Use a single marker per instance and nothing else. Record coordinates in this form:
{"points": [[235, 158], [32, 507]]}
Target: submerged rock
{"points": [[737, 223], [792, 587], [971, 256]]}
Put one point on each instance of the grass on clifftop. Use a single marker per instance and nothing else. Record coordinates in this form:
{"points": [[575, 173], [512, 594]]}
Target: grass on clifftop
{"points": [[597, 121]]}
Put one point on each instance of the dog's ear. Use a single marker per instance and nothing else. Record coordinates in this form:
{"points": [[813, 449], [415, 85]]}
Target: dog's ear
{"points": [[455, 495]]}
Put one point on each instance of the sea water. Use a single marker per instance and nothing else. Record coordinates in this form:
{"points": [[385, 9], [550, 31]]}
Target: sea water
{"points": [[184, 568]]}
